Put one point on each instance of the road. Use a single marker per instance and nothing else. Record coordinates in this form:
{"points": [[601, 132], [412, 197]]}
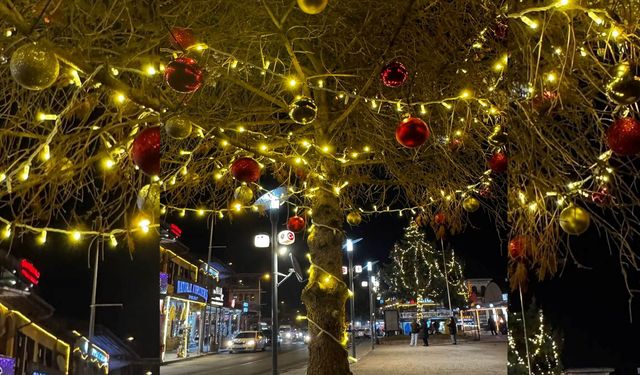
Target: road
{"points": [[291, 356]]}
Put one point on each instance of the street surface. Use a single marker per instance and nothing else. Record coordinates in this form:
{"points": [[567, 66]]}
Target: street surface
{"points": [[291, 356]]}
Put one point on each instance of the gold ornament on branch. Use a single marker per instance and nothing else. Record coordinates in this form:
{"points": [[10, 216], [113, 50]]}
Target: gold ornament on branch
{"points": [[243, 194], [354, 218], [574, 220], [34, 67], [312, 6], [471, 204]]}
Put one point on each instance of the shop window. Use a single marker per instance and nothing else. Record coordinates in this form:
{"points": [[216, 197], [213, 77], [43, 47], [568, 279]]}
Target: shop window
{"points": [[45, 356]]}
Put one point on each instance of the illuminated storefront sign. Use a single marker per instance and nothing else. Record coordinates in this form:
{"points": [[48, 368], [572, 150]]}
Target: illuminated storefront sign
{"points": [[98, 355], [217, 297], [164, 282], [7, 365], [192, 291], [29, 271]]}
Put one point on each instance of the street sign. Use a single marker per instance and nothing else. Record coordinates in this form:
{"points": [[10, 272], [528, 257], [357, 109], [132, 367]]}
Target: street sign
{"points": [[261, 240], [358, 269], [245, 307], [286, 237]]}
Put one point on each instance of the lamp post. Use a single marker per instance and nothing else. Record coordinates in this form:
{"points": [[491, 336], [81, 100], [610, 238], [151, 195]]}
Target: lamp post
{"points": [[372, 316], [352, 302], [274, 211]]}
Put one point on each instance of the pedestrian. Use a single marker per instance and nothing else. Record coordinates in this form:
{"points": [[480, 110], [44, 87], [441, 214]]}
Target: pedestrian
{"points": [[492, 326], [425, 332], [436, 327], [453, 330], [415, 329], [502, 326]]}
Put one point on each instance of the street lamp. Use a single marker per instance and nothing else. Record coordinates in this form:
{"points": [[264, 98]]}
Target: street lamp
{"points": [[349, 248]]}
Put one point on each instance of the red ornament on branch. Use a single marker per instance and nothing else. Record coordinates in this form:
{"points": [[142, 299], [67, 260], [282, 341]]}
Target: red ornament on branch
{"points": [[412, 132], [245, 170], [145, 151], [498, 162], [183, 75], [295, 223], [394, 74], [545, 101], [440, 218], [181, 38], [518, 247], [623, 137], [602, 196]]}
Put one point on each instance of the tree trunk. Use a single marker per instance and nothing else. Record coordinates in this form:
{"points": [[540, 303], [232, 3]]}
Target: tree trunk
{"points": [[325, 296]]}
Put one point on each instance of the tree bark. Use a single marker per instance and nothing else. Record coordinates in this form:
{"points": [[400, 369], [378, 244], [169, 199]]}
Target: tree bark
{"points": [[325, 296]]}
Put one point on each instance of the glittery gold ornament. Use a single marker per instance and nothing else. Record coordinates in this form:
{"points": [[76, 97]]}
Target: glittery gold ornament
{"points": [[34, 67], [312, 6], [574, 220], [149, 199], [303, 110], [354, 218], [471, 204], [243, 194], [178, 127]]}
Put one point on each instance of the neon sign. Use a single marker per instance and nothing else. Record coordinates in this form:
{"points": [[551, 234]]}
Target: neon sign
{"points": [[193, 291], [175, 230], [29, 271]]}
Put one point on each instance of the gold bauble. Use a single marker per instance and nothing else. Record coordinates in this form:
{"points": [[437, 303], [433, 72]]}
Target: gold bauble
{"points": [[243, 194], [178, 127], [34, 67], [471, 204], [574, 220], [312, 6], [354, 218], [149, 199]]}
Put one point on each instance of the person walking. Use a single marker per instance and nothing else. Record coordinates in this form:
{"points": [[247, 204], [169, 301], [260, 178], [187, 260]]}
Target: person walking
{"points": [[425, 332], [415, 329], [453, 330], [492, 326]]}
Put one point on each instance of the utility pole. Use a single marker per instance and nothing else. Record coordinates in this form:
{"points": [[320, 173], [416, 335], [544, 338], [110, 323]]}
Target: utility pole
{"points": [[446, 275], [352, 301], [273, 217]]}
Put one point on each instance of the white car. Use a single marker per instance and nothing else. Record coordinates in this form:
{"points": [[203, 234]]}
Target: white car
{"points": [[247, 341]]}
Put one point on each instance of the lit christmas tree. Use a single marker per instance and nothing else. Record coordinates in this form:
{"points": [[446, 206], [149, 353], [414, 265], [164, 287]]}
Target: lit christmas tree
{"points": [[544, 353], [418, 272]]}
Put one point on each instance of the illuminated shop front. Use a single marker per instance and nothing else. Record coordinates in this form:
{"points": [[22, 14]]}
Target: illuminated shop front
{"points": [[88, 359]]}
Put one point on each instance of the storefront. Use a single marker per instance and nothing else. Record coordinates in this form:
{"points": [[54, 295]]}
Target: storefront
{"points": [[88, 359]]}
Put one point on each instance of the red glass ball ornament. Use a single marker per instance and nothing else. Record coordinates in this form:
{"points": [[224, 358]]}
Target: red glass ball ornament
{"points": [[394, 74], [440, 218], [545, 101], [295, 223], [623, 137], [245, 170], [485, 192], [183, 75], [498, 162], [181, 38], [145, 151], [412, 132], [518, 247], [602, 196], [455, 144]]}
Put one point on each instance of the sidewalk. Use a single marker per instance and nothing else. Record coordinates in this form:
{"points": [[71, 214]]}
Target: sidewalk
{"points": [[485, 357], [362, 349]]}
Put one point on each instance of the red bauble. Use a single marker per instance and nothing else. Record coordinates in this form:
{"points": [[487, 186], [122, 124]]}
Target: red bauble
{"points": [[545, 101], [181, 38], [486, 192], [518, 247], [295, 223], [145, 151], [602, 196], [183, 75], [623, 137], [245, 170], [440, 218], [498, 162], [455, 144], [412, 132], [394, 74]]}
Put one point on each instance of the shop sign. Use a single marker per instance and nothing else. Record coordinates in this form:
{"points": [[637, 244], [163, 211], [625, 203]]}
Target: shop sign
{"points": [[192, 291], [286, 237], [245, 307], [217, 297], [164, 282], [96, 353], [29, 271], [7, 365]]}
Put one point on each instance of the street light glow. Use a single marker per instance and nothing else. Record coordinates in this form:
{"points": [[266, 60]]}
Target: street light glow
{"points": [[349, 245]]}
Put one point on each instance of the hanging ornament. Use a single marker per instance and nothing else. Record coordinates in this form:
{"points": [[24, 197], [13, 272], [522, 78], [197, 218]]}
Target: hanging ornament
{"points": [[412, 132], [394, 74], [243, 194], [245, 170], [625, 86], [178, 127], [518, 247], [422, 221], [440, 218], [602, 196], [295, 223], [623, 137], [485, 192], [498, 162], [312, 6], [455, 144], [354, 218], [183, 75], [545, 101], [181, 38], [441, 232], [574, 220], [303, 110], [471, 204], [145, 151], [34, 67], [149, 199]]}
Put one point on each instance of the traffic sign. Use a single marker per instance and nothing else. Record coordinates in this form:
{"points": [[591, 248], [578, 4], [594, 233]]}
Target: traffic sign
{"points": [[286, 237]]}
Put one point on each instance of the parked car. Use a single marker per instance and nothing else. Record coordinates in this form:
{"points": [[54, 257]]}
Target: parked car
{"points": [[247, 341]]}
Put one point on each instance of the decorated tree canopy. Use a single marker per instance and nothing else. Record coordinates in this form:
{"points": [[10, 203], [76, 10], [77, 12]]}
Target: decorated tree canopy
{"points": [[418, 271]]}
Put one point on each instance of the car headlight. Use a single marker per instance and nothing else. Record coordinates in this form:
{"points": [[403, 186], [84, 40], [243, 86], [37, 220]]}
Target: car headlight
{"points": [[307, 338], [288, 335], [229, 344], [251, 343]]}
